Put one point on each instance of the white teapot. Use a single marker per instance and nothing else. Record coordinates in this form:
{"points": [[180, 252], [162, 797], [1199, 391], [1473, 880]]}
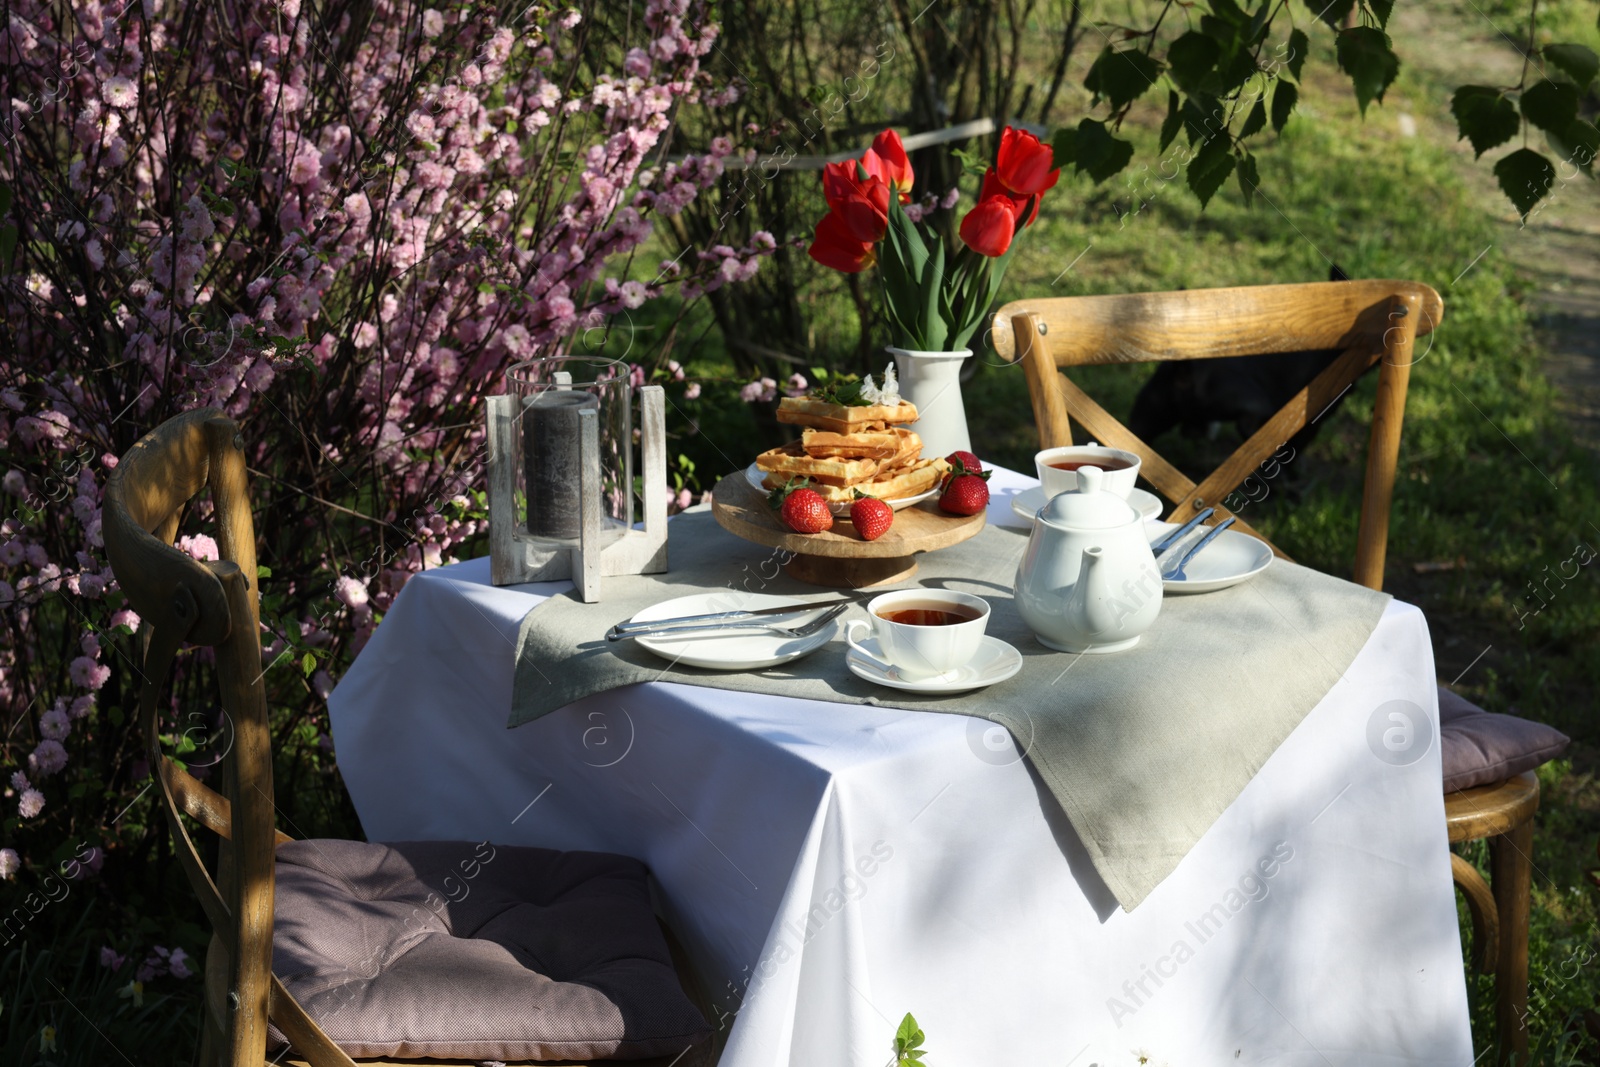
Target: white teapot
{"points": [[1088, 581]]}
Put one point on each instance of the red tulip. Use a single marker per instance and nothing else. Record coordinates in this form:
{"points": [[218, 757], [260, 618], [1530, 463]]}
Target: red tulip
{"points": [[992, 186], [989, 227], [886, 160], [1023, 163], [837, 246], [863, 206]]}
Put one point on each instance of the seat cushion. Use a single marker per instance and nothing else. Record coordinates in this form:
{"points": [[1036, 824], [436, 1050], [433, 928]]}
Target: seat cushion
{"points": [[1479, 747], [480, 952]]}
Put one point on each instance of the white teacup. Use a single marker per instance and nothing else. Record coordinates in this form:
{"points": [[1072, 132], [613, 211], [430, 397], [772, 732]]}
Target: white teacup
{"points": [[925, 641], [1061, 480]]}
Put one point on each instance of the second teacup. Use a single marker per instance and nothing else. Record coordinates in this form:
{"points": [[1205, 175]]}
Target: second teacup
{"points": [[1058, 468], [923, 633]]}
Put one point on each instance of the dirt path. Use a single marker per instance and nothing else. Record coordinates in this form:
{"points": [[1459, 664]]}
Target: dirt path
{"points": [[1558, 249]]}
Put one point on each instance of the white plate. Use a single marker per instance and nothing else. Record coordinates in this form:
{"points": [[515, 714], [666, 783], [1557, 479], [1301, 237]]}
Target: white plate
{"points": [[1028, 502], [724, 651], [1228, 560], [995, 662], [754, 474]]}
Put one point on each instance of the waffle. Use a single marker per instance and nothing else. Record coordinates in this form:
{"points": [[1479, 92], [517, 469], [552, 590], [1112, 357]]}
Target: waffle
{"points": [[919, 477], [791, 461], [843, 418], [880, 444]]}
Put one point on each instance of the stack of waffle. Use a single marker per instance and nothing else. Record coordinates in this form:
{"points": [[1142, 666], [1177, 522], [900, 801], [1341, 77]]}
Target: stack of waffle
{"points": [[844, 449]]}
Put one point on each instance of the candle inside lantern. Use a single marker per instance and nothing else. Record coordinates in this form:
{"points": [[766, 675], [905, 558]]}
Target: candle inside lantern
{"points": [[552, 472]]}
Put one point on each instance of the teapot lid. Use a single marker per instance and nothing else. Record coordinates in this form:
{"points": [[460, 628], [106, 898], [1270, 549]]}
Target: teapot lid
{"points": [[1089, 507]]}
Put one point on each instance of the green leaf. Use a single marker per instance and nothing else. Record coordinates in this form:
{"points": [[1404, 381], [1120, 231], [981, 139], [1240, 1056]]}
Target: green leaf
{"points": [[908, 1036], [1234, 71], [1101, 155], [934, 326], [1574, 60], [1484, 116], [308, 663], [1209, 169], [1255, 121], [1335, 13], [1249, 179], [1525, 176], [1365, 55], [1202, 117], [1284, 98], [1299, 46], [1191, 57], [1578, 144], [1550, 105], [1171, 124], [1122, 77], [1064, 147], [263, 571], [1382, 9]]}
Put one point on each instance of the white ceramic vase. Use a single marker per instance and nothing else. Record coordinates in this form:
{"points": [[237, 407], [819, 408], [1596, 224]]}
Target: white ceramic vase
{"points": [[932, 381]]}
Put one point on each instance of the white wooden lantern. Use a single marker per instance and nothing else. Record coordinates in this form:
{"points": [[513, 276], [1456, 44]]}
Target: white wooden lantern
{"points": [[516, 556]]}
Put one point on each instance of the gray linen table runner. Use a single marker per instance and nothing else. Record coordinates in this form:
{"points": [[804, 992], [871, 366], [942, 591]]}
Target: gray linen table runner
{"points": [[1144, 749]]}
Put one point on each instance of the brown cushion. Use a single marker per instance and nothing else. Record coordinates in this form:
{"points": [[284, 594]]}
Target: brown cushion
{"points": [[480, 952], [1480, 747]]}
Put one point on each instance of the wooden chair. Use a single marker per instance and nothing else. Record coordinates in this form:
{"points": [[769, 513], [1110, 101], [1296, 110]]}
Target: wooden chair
{"points": [[181, 600], [1368, 322]]}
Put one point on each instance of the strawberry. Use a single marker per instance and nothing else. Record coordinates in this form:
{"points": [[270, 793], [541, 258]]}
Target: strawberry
{"points": [[803, 510], [964, 459], [966, 490], [871, 517]]}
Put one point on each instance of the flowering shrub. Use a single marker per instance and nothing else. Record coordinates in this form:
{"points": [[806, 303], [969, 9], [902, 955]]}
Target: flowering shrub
{"points": [[339, 224]]}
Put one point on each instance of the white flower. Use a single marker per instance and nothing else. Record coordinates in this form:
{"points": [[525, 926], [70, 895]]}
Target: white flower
{"points": [[120, 91], [14, 483], [887, 394], [10, 863], [54, 724]]}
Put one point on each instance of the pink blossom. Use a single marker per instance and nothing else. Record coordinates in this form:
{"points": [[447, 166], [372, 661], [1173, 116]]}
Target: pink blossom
{"points": [[81, 707], [19, 781], [692, 392], [796, 386], [10, 863], [126, 617], [110, 958], [47, 758], [55, 725], [30, 804], [12, 553], [88, 674], [432, 23], [119, 91], [199, 546], [352, 592]]}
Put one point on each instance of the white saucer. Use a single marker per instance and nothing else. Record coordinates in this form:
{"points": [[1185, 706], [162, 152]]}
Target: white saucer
{"points": [[1228, 560], [995, 662], [728, 651], [1028, 502], [754, 475]]}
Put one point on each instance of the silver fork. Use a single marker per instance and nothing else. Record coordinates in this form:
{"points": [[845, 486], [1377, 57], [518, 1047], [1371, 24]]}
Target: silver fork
{"points": [[1175, 572], [744, 624]]}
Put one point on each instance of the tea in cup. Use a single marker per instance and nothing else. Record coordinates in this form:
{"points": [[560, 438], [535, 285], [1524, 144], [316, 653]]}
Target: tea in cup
{"points": [[1058, 468], [923, 633]]}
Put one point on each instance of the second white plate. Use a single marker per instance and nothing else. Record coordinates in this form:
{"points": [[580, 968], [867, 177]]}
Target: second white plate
{"points": [[745, 650], [1228, 560]]}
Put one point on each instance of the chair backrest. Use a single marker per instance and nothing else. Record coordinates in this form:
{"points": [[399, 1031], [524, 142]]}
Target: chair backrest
{"points": [[180, 600], [1366, 321]]}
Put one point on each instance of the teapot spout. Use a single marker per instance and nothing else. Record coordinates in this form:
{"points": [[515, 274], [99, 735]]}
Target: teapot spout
{"points": [[1097, 608]]}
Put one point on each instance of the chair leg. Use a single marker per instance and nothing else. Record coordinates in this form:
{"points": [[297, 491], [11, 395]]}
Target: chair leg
{"points": [[1511, 869]]}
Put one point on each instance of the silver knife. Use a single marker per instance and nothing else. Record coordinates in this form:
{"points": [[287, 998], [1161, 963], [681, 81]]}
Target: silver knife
{"points": [[1177, 535], [726, 616]]}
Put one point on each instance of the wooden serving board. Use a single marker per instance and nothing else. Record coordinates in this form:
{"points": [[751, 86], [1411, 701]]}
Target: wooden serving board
{"points": [[839, 557]]}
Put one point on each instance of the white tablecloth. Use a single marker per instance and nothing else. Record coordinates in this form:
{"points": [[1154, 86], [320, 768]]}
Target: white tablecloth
{"points": [[833, 867]]}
